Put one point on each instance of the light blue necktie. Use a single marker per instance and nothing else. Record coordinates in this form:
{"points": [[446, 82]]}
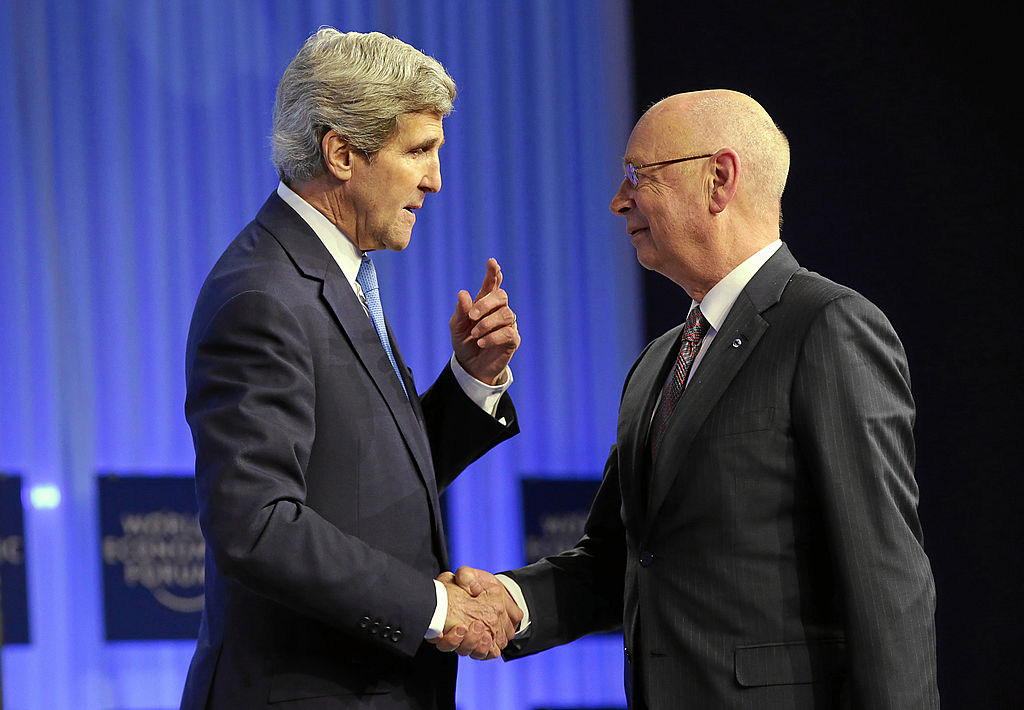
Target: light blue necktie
{"points": [[367, 279]]}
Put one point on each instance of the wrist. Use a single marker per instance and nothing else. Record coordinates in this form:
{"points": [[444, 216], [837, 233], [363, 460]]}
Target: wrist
{"points": [[436, 626]]}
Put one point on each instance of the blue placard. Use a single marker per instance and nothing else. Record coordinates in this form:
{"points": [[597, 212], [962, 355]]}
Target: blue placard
{"points": [[554, 513], [13, 582], [152, 551]]}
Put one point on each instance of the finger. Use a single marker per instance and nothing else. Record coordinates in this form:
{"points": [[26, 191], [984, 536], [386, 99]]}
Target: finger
{"points": [[507, 338], [506, 633], [515, 614], [483, 651], [492, 277], [450, 641], [477, 642], [488, 303], [446, 578], [496, 320]]}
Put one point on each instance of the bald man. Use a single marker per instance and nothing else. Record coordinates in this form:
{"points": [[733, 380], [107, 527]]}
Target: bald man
{"points": [[756, 532]]}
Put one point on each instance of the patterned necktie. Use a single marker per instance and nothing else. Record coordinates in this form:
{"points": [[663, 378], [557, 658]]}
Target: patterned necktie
{"points": [[367, 279], [693, 332]]}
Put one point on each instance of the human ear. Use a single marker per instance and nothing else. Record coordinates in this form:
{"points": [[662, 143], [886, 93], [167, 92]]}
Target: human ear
{"points": [[338, 155], [725, 172]]}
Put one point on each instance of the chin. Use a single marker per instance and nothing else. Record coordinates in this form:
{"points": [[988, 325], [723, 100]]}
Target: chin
{"points": [[397, 242], [647, 259]]}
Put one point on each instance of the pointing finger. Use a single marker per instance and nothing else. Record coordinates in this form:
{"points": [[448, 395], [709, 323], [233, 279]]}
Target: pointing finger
{"points": [[492, 278]]}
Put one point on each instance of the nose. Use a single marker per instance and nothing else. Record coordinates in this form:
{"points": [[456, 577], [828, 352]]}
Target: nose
{"points": [[431, 181], [622, 201]]}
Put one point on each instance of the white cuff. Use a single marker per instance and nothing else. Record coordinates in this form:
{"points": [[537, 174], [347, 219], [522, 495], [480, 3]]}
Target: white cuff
{"points": [[485, 396], [436, 627], [519, 599]]}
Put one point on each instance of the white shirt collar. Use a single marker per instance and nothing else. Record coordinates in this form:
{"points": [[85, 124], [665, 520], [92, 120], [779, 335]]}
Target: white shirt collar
{"points": [[719, 300], [345, 253]]}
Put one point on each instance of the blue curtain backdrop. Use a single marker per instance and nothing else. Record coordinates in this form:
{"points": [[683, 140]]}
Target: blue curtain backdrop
{"points": [[133, 147]]}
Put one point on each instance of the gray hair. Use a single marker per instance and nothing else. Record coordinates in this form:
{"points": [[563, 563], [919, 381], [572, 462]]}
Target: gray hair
{"points": [[356, 84]]}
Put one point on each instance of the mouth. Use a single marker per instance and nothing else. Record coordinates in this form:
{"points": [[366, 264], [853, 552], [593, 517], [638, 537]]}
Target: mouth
{"points": [[636, 230], [411, 211]]}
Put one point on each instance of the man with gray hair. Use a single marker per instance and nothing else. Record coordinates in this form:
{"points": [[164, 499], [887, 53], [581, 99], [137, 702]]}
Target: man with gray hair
{"points": [[318, 466], [756, 532]]}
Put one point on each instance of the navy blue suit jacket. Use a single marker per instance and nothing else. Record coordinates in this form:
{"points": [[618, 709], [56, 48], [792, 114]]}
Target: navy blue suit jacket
{"points": [[318, 484]]}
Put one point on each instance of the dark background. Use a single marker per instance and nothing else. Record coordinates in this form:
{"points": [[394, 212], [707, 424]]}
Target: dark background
{"points": [[905, 184]]}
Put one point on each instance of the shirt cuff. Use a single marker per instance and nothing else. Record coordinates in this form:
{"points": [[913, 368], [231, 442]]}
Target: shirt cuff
{"points": [[519, 599], [436, 627], [485, 396]]}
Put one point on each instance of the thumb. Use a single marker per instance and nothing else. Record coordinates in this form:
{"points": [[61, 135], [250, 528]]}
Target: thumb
{"points": [[492, 278], [463, 304], [466, 577]]}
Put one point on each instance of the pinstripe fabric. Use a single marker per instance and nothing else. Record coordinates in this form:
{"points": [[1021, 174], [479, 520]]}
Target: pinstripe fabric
{"points": [[776, 560]]}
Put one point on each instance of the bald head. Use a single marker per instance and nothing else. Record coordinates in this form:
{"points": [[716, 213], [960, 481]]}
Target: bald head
{"points": [[705, 187], [719, 118]]}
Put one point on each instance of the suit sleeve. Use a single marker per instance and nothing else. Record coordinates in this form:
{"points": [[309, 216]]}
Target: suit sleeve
{"points": [[250, 404], [579, 591], [853, 420], [459, 431]]}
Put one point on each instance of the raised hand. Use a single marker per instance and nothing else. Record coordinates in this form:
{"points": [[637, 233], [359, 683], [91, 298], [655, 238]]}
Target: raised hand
{"points": [[484, 332], [471, 639]]}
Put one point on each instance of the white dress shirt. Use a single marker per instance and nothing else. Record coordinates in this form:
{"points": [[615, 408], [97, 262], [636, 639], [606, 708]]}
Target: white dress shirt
{"points": [[348, 257], [720, 299]]}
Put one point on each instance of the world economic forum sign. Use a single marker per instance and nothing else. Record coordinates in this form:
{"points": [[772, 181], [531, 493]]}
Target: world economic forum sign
{"points": [[152, 550], [554, 513], [13, 587]]}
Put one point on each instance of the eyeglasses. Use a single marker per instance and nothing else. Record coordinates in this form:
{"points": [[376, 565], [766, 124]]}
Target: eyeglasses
{"points": [[631, 169]]}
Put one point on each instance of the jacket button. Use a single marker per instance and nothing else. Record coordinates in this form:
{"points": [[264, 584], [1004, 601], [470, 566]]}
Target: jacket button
{"points": [[646, 559], [396, 635], [376, 626], [364, 623]]}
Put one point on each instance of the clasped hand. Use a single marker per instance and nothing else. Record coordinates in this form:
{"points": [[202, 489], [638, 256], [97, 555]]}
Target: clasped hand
{"points": [[482, 617]]}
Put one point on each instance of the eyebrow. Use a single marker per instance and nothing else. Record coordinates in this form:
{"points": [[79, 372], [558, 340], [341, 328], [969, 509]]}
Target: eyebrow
{"points": [[428, 143]]}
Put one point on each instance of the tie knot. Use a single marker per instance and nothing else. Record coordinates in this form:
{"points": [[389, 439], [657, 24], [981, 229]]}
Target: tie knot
{"points": [[367, 276], [695, 325]]}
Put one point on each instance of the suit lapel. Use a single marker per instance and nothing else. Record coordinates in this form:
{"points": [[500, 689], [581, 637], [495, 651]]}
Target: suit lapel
{"points": [[638, 402], [732, 345], [413, 425], [315, 262]]}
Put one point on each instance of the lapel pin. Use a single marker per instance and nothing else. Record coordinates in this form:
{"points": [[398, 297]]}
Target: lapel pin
{"points": [[738, 342]]}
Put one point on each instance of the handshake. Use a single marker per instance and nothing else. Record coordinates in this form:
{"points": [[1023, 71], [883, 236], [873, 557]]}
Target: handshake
{"points": [[482, 616]]}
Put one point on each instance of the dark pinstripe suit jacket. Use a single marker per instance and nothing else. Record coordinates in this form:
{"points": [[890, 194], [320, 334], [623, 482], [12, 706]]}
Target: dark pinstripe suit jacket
{"points": [[318, 484], [772, 556]]}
